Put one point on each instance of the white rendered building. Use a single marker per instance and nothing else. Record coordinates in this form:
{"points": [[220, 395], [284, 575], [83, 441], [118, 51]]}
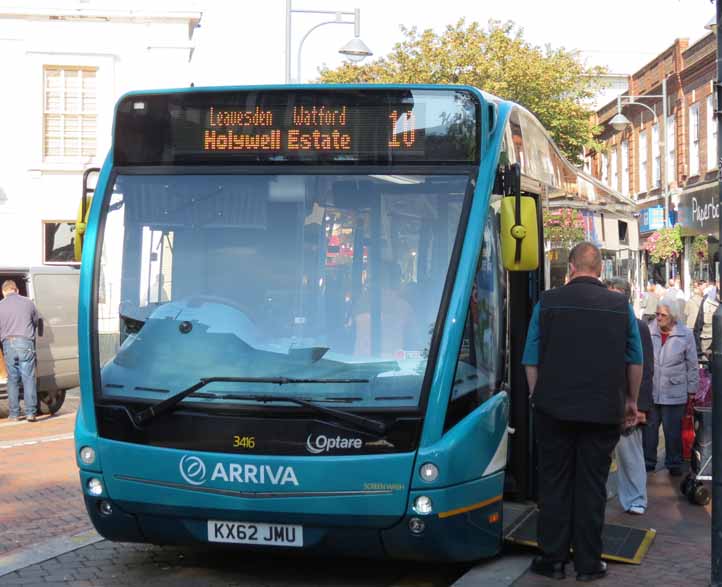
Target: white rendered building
{"points": [[62, 70]]}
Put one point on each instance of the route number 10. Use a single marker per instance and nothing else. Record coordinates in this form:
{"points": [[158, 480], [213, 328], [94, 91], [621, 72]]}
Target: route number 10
{"points": [[408, 129]]}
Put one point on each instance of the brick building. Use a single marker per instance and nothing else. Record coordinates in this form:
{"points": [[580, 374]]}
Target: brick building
{"points": [[681, 148]]}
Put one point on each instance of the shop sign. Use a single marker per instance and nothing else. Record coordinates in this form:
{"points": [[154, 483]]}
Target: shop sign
{"points": [[651, 218], [699, 211]]}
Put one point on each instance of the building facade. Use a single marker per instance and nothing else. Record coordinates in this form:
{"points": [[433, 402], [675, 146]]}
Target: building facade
{"points": [[666, 159], [64, 69]]}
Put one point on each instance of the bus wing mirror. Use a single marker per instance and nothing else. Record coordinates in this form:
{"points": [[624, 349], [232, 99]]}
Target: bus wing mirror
{"points": [[81, 221], [519, 225]]}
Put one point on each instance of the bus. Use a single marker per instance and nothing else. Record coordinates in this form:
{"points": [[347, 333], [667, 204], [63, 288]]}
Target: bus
{"points": [[301, 316]]}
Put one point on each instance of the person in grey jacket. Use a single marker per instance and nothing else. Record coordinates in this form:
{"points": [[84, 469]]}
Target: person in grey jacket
{"points": [[676, 375]]}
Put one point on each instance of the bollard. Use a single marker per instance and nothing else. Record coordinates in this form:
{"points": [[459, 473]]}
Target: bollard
{"points": [[717, 449]]}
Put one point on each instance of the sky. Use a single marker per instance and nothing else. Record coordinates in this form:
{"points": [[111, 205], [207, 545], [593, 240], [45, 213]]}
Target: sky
{"points": [[243, 42]]}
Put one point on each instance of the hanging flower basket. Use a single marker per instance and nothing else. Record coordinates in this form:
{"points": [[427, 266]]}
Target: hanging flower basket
{"points": [[700, 248], [563, 226], [664, 244]]}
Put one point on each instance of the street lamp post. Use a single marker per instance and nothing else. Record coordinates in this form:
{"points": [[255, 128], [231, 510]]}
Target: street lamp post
{"points": [[619, 122], [355, 49]]}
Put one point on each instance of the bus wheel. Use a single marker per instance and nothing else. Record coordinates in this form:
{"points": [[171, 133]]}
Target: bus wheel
{"points": [[50, 402]]}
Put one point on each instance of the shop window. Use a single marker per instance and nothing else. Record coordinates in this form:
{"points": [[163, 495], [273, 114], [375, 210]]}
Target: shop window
{"points": [[479, 368], [58, 242]]}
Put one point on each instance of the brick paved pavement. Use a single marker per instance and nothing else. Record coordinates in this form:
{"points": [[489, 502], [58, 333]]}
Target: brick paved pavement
{"points": [[681, 551], [39, 490], [110, 564]]}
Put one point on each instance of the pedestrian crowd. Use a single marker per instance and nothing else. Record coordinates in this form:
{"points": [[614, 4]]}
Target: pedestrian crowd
{"points": [[607, 399]]}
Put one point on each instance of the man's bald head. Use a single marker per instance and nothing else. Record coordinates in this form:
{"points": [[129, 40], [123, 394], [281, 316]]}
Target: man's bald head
{"points": [[585, 259]]}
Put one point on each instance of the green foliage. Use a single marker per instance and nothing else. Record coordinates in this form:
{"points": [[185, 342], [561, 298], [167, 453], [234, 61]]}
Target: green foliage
{"points": [[551, 83], [563, 226], [664, 244]]}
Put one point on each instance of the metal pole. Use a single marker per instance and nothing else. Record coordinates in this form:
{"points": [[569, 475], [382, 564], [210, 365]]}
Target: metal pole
{"points": [[717, 355], [287, 75], [663, 154]]}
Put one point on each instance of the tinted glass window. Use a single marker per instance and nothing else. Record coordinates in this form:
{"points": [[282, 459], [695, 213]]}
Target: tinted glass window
{"points": [[479, 369]]}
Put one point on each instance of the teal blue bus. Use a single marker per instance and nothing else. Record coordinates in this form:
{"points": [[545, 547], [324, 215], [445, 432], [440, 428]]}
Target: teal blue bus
{"points": [[297, 329]]}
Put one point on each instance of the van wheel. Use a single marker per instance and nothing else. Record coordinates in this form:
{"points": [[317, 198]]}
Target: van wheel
{"points": [[4, 408], [50, 402]]}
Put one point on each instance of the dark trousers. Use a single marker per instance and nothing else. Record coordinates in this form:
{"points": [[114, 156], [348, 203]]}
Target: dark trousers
{"points": [[574, 461], [671, 419]]}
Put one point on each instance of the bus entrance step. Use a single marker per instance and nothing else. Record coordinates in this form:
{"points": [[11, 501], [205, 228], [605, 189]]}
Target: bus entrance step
{"points": [[620, 543]]}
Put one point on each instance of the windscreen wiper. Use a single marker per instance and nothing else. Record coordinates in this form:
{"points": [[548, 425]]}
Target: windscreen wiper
{"points": [[147, 414]]}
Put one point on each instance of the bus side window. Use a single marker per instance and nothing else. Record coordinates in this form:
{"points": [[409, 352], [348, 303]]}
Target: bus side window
{"points": [[479, 364]]}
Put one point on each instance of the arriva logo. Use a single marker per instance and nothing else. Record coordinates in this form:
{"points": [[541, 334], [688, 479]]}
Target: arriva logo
{"points": [[193, 470], [325, 444]]}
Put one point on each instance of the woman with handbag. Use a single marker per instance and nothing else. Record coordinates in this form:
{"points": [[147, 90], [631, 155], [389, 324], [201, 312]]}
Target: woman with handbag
{"points": [[676, 376]]}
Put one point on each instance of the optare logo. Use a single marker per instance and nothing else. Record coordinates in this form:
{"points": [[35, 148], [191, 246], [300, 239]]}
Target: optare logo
{"points": [[193, 470], [323, 443]]}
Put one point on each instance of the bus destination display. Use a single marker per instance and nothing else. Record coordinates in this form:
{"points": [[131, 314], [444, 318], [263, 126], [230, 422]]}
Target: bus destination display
{"points": [[307, 128], [296, 126]]}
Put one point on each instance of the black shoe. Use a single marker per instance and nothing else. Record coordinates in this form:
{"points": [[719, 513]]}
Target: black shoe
{"points": [[547, 568], [600, 573], [675, 471], [650, 468]]}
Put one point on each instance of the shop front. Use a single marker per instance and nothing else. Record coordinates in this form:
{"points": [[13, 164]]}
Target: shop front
{"points": [[698, 211]]}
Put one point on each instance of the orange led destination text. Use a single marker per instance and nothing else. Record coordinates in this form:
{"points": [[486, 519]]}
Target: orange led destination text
{"points": [[310, 128]]}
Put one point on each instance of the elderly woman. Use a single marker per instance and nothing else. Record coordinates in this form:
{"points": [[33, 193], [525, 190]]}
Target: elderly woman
{"points": [[675, 379]]}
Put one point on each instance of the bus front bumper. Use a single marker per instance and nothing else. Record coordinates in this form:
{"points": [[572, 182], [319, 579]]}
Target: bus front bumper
{"points": [[458, 529]]}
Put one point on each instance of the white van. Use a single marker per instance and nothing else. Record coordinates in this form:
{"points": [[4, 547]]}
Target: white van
{"points": [[54, 289]]}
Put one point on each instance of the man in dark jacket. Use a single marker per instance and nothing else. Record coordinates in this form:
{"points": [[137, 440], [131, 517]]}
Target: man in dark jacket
{"points": [[583, 361], [631, 471]]}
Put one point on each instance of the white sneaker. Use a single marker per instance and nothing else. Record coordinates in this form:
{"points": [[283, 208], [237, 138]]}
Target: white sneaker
{"points": [[637, 510]]}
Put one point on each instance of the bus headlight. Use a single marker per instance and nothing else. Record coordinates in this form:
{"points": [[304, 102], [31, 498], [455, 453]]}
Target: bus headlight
{"points": [[423, 505], [429, 472], [87, 455], [95, 486], [416, 525]]}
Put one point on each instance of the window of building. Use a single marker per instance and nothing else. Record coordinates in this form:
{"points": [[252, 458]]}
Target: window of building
{"points": [[69, 113], [643, 161], [657, 154], [58, 242], [615, 174], [711, 134], [625, 168], [670, 146], [694, 139], [605, 169], [479, 369]]}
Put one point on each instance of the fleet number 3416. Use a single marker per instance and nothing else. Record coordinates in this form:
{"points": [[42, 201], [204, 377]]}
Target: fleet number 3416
{"points": [[244, 442]]}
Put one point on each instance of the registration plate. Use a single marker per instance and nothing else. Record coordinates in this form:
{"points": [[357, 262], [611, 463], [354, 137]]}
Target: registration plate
{"points": [[255, 533]]}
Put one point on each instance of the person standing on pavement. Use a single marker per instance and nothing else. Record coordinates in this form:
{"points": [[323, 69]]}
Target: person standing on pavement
{"points": [[676, 376], [18, 324], [648, 304], [632, 477], [582, 396], [694, 303]]}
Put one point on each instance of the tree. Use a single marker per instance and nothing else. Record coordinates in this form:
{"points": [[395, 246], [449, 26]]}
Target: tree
{"points": [[551, 83]]}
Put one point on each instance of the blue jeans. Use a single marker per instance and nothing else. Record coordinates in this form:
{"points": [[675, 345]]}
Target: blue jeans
{"points": [[631, 475], [20, 361], [670, 416]]}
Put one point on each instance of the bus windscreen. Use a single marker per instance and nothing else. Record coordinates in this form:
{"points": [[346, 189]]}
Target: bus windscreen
{"points": [[235, 127]]}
